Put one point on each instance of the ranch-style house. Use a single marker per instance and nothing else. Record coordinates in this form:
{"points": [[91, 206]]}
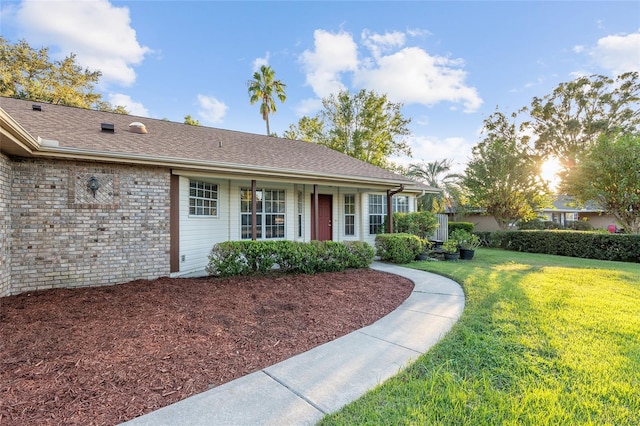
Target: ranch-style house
{"points": [[93, 198]]}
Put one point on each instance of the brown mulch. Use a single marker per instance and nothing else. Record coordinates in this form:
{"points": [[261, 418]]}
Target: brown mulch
{"points": [[96, 356]]}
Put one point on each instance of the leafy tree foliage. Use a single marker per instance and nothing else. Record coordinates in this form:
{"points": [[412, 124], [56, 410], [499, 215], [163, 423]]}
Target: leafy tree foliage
{"points": [[610, 175], [435, 174], [28, 73], [364, 126], [262, 88], [570, 120], [502, 176], [191, 121]]}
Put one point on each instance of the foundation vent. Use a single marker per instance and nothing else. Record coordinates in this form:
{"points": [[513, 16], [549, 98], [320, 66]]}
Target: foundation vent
{"points": [[137, 127]]}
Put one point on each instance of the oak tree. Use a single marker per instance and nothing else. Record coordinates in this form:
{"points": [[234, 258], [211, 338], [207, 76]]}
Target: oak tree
{"points": [[28, 73], [502, 176], [365, 125]]}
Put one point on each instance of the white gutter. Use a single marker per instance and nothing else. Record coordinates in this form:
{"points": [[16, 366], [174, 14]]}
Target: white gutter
{"points": [[184, 166]]}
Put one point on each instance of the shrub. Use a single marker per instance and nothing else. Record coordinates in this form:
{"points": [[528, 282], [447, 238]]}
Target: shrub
{"points": [[466, 226], [250, 257], [398, 248], [466, 240], [584, 244], [578, 225], [450, 246], [422, 224]]}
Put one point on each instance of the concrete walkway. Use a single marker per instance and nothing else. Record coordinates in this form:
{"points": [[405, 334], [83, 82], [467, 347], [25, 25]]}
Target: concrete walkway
{"points": [[302, 389]]}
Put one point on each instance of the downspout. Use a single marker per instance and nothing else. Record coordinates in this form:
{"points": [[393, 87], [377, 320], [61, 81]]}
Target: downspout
{"points": [[390, 194]]}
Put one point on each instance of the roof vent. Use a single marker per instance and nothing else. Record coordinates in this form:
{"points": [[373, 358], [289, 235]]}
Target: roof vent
{"points": [[36, 107], [137, 127], [107, 127]]}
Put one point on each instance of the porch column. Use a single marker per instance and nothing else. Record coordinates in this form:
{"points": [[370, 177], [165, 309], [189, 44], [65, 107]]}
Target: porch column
{"points": [[254, 215], [314, 225]]}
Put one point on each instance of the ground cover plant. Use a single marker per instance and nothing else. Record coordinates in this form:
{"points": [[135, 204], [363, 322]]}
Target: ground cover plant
{"points": [[543, 340]]}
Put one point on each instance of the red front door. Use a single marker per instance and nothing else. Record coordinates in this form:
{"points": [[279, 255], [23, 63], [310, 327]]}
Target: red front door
{"points": [[325, 211]]}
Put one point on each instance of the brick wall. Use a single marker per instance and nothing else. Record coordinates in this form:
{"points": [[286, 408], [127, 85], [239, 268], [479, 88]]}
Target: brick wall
{"points": [[5, 224], [64, 235]]}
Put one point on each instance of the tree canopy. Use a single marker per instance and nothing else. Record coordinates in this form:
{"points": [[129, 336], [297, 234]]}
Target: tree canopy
{"points": [[191, 121], [436, 174], [263, 88], [568, 121], [502, 177], [364, 125], [609, 174], [28, 73]]}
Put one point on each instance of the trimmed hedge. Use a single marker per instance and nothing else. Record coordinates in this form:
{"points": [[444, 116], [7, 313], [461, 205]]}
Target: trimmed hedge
{"points": [[584, 244], [231, 258], [466, 226], [398, 248]]}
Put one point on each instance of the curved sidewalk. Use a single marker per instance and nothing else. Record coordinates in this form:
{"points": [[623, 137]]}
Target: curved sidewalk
{"points": [[302, 389]]}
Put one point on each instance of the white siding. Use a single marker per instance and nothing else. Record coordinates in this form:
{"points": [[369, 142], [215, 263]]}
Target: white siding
{"points": [[199, 233]]}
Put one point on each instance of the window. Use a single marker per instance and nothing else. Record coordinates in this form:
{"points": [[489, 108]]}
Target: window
{"points": [[349, 214], [203, 198], [400, 204], [378, 210], [269, 213], [377, 213]]}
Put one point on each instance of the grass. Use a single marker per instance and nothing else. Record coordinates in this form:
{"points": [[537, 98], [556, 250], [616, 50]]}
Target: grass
{"points": [[543, 340]]}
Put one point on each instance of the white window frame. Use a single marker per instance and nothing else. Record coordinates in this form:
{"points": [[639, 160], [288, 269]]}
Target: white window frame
{"points": [[270, 214], [203, 199], [376, 219], [349, 211]]}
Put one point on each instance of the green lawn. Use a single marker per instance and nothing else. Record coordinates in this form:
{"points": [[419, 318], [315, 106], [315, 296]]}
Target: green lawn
{"points": [[543, 340]]}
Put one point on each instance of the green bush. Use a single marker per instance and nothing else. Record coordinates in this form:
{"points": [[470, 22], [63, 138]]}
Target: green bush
{"points": [[398, 248], [422, 224], [583, 244], [232, 258], [466, 240], [466, 226], [578, 225]]}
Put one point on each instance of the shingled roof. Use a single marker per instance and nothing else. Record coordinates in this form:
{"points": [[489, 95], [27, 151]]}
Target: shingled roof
{"points": [[70, 132]]}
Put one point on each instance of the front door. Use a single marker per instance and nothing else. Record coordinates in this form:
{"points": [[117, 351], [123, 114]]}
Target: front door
{"points": [[325, 216]]}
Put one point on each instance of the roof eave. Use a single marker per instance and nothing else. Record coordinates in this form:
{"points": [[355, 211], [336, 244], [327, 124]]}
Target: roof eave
{"points": [[232, 169], [14, 139]]}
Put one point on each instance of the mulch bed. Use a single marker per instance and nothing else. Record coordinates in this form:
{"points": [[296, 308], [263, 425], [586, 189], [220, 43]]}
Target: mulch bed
{"points": [[104, 355]]}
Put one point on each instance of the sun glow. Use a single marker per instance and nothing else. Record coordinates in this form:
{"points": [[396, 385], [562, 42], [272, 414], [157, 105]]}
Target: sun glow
{"points": [[549, 172]]}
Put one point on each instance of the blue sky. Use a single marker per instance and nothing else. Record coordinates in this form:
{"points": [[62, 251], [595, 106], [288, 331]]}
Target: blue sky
{"points": [[449, 63]]}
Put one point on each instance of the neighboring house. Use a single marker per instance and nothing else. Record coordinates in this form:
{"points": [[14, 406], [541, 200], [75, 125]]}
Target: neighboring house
{"points": [[562, 212], [95, 198], [565, 210]]}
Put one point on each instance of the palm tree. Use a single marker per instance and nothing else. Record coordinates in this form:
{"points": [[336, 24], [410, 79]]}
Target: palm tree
{"points": [[432, 174], [263, 88]]}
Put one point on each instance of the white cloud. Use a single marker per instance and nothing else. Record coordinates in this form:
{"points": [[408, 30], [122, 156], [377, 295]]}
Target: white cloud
{"points": [[211, 110], [134, 108], [308, 107], [99, 33], [618, 53], [409, 75], [380, 43], [427, 149], [578, 49], [258, 62], [333, 54]]}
